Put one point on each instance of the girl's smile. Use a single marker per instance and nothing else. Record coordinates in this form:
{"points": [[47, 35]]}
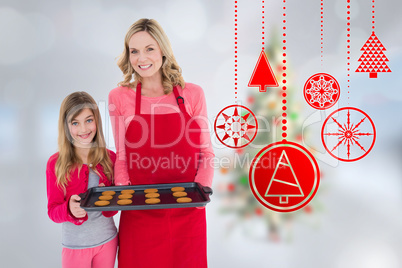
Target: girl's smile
{"points": [[83, 128]]}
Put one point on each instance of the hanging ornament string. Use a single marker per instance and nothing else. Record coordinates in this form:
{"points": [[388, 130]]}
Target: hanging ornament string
{"points": [[284, 114], [236, 125], [263, 26], [322, 33], [348, 45], [235, 49], [373, 16]]}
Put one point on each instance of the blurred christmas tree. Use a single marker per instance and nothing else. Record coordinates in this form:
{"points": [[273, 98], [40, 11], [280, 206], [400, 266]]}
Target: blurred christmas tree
{"points": [[237, 198]]}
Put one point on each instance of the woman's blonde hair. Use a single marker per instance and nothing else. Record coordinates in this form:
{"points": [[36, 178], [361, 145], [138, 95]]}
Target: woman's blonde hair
{"points": [[68, 160], [171, 71]]}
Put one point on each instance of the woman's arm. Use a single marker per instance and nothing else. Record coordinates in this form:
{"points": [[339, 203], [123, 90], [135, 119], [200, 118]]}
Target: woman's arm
{"points": [[119, 132], [198, 111]]}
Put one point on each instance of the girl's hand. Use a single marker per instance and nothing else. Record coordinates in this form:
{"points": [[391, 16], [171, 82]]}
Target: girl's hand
{"points": [[101, 185], [74, 205]]}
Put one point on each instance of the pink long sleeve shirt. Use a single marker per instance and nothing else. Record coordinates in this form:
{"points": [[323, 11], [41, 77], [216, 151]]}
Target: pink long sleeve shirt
{"points": [[122, 109], [58, 200]]}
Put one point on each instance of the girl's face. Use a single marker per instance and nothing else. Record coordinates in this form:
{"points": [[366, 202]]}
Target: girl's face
{"points": [[83, 128], [145, 55]]}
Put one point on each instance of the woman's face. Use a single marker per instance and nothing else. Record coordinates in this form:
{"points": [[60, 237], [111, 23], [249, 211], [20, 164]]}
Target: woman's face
{"points": [[145, 55], [83, 128]]}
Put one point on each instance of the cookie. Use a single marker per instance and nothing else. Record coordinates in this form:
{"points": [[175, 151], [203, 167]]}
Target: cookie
{"points": [[150, 190], [108, 193], [177, 189], [105, 197], [152, 195], [179, 194], [125, 196], [152, 201], [184, 200], [124, 202], [127, 191], [102, 203]]}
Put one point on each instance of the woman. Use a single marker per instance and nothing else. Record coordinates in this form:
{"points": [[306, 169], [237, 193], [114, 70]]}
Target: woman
{"points": [[161, 133]]}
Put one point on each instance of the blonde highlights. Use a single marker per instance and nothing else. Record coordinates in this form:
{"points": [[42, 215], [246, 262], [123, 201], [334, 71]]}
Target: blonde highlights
{"points": [[68, 160], [171, 71]]}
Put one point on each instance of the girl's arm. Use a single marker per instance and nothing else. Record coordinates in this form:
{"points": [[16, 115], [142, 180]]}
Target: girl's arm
{"points": [[58, 204]]}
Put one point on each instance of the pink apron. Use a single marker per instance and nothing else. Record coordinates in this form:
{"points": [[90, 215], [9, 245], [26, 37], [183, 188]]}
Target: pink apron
{"points": [[162, 237]]}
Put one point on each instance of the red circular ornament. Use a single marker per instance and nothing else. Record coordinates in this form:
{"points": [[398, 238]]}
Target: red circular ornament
{"points": [[321, 91], [236, 126], [348, 134], [284, 176]]}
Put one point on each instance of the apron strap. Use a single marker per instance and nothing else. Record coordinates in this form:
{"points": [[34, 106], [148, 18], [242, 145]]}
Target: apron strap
{"points": [[138, 99], [179, 99]]}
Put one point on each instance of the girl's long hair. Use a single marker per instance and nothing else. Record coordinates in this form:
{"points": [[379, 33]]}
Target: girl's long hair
{"points": [[68, 160], [171, 71]]}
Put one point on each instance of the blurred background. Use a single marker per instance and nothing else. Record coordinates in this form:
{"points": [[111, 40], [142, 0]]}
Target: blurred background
{"points": [[49, 49]]}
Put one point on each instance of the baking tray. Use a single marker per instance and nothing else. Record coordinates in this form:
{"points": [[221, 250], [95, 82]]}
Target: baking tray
{"points": [[198, 193]]}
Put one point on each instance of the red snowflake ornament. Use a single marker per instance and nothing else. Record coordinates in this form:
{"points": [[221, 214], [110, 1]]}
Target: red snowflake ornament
{"points": [[321, 91], [236, 126], [348, 134]]}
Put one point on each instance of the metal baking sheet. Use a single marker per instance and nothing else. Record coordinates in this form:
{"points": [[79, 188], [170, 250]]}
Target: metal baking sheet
{"points": [[198, 193]]}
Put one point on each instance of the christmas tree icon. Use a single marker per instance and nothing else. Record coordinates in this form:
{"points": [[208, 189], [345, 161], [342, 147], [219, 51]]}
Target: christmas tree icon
{"points": [[373, 59], [284, 182]]}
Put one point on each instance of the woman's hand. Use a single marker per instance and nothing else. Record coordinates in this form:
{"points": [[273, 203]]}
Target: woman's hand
{"points": [[101, 185], [74, 205]]}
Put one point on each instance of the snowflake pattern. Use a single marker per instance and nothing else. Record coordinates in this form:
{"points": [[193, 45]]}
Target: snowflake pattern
{"points": [[321, 91], [238, 130], [349, 135]]}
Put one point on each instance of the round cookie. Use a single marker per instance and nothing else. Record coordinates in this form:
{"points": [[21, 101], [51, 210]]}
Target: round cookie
{"points": [[179, 194], [125, 196], [124, 202], [105, 197], [152, 195], [150, 190], [127, 191], [108, 193], [102, 203], [151, 201], [177, 189], [184, 200]]}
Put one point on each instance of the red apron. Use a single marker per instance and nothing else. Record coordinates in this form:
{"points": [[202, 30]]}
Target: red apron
{"points": [[162, 237]]}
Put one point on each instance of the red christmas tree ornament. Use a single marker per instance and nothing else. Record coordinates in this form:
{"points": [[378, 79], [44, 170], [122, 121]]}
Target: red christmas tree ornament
{"points": [[284, 176], [263, 75], [373, 60]]}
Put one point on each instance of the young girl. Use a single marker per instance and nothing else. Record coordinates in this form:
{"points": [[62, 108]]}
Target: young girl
{"points": [[88, 239]]}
